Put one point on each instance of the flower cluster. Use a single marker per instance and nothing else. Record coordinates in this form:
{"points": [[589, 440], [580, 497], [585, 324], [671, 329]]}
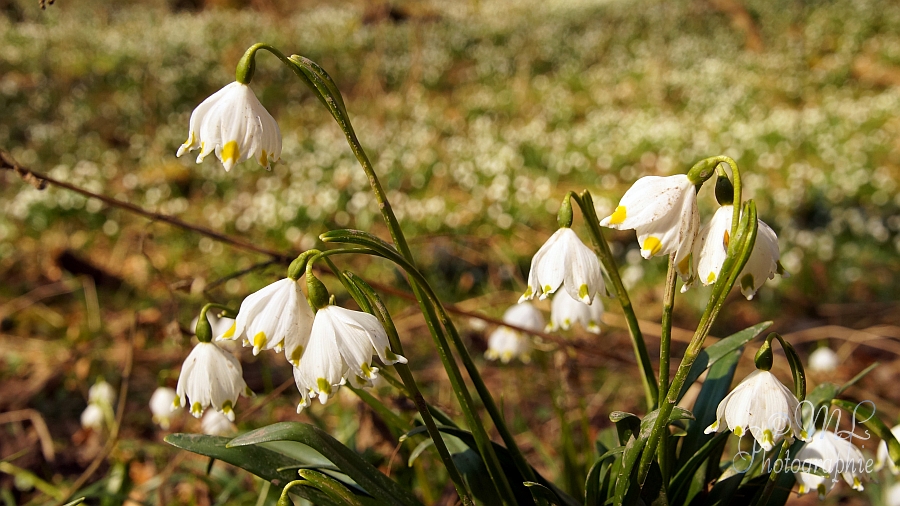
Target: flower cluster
{"points": [[99, 411]]}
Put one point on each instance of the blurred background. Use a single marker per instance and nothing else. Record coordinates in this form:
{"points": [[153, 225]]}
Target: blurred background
{"points": [[479, 116]]}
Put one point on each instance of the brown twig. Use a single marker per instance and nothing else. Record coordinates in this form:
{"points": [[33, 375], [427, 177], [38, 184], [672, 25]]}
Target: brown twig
{"points": [[39, 426]]}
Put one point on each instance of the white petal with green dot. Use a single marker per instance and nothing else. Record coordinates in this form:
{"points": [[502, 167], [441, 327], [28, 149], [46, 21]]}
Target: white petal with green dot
{"points": [[209, 376]]}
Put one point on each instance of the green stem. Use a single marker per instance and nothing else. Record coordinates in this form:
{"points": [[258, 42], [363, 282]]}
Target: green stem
{"points": [[739, 250], [319, 81], [285, 500], [773, 477], [651, 389], [665, 341]]}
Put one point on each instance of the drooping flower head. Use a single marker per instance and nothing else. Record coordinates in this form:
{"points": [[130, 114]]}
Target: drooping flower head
{"points": [[506, 343], [835, 455], [233, 124], [566, 312], [210, 376], [214, 423], [663, 212], [102, 393], [564, 261], [92, 417], [823, 360], [341, 345], [161, 406], [763, 406], [274, 317], [882, 456]]}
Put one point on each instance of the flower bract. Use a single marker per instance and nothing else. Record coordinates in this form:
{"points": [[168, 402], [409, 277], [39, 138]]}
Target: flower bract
{"points": [[763, 406], [233, 124], [564, 261], [210, 376], [341, 345], [663, 212], [566, 312], [274, 317], [835, 455]]}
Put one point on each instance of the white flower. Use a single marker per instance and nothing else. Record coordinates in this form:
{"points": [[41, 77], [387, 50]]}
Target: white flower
{"points": [[507, 344], [341, 346], [236, 126], [712, 244], [219, 325], [883, 457], [102, 393], [762, 405], [215, 424], [161, 406], [892, 495], [835, 455], [564, 260], [92, 417], [210, 376], [524, 315], [566, 311], [663, 213], [277, 316], [823, 360]]}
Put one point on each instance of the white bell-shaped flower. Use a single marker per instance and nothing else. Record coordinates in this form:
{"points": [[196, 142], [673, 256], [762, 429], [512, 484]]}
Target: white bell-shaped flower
{"points": [[161, 406], [214, 423], [92, 417], [233, 124], [341, 345], [663, 212], [507, 344], [763, 406], [564, 261], [712, 244], [102, 393], [835, 455], [892, 495], [823, 360], [882, 457], [210, 376], [524, 315], [275, 317], [566, 312]]}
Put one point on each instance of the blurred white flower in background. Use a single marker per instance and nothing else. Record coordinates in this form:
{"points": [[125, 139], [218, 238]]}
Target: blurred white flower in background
{"points": [[823, 359], [341, 345], [506, 343], [882, 457], [161, 403], [835, 455], [214, 423], [566, 311], [210, 376], [564, 261], [102, 393], [93, 417], [236, 126], [892, 495]]}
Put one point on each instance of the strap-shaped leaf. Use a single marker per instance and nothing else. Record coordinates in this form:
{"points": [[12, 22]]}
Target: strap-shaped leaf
{"points": [[679, 485], [266, 464], [593, 487], [540, 492], [627, 425], [365, 474], [330, 487], [716, 351]]}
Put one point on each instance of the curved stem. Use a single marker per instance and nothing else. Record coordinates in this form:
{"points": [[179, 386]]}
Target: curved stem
{"points": [[651, 389]]}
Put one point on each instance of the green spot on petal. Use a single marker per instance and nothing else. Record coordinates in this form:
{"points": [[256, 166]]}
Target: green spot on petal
{"points": [[738, 431], [583, 293], [324, 386], [747, 282]]}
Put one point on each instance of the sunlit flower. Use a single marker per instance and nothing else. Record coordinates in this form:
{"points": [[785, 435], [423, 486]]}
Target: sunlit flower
{"points": [[883, 457], [566, 311], [663, 213], [564, 260], [712, 244], [274, 317], [763, 406], [236, 126], [214, 423], [102, 393], [506, 343], [161, 406], [823, 360], [835, 455], [92, 417], [210, 376], [341, 345]]}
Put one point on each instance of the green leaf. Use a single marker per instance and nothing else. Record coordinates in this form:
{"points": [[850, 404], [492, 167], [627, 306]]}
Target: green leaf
{"points": [[330, 487], [715, 352], [680, 483], [266, 464], [366, 475], [678, 413], [541, 492], [627, 425], [76, 502]]}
